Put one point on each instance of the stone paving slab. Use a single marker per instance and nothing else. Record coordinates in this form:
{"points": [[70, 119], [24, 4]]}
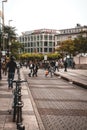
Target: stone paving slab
{"points": [[6, 100]]}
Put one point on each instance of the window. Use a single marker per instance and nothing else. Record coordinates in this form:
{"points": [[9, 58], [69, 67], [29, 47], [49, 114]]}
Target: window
{"points": [[50, 43], [41, 37], [34, 44], [40, 49], [38, 37], [31, 49], [45, 49], [25, 44], [31, 44], [50, 49], [50, 37], [28, 38], [37, 44], [46, 37], [34, 38], [37, 49], [45, 43], [28, 50], [31, 38], [40, 44]]}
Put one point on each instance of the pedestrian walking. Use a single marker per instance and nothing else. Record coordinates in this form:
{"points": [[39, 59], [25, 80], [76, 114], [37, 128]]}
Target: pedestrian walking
{"points": [[31, 68], [11, 67], [46, 72], [57, 66], [65, 65], [73, 64], [4, 67], [35, 69]]}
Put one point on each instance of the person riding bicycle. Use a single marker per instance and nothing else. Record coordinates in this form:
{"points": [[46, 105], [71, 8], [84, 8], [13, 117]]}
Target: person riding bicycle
{"points": [[11, 67]]}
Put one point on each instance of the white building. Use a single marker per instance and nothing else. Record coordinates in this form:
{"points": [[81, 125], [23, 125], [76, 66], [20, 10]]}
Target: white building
{"points": [[39, 41]]}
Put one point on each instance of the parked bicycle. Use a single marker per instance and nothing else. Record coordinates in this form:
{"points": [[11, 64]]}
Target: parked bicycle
{"points": [[17, 102]]}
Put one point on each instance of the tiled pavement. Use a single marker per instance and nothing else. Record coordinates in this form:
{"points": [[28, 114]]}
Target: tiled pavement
{"points": [[61, 105], [6, 100]]}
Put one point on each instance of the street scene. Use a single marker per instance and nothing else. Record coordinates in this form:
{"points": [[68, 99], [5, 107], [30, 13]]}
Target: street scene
{"points": [[43, 65], [50, 103]]}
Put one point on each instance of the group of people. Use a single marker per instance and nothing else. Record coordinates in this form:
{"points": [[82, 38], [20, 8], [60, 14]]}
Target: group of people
{"points": [[33, 68], [11, 65], [53, 66]]}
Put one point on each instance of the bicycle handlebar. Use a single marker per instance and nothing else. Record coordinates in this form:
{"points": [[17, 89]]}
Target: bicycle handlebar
{"points": [[19, 81]]}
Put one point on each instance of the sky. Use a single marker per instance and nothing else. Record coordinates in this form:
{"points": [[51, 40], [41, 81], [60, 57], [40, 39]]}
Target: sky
{"points": [[28, 15]]}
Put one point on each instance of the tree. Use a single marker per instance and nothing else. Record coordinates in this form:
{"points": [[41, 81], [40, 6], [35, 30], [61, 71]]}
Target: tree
{"points": [[15, 48], [66, 47], [12, 45], [10, 35], [80, 44]]}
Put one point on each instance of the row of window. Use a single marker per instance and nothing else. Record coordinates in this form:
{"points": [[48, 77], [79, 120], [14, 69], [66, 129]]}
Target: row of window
{"points": [[36, 38], [75, 30], [39, 44], [39, 50]]}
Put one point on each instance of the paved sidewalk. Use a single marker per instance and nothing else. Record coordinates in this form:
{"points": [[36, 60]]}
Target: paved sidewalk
{"points": [[6, 99], [29, 118], [61, 104], [76, 76]]}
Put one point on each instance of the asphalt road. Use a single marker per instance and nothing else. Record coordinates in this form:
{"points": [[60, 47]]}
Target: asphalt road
{"points": [[60, 104]]}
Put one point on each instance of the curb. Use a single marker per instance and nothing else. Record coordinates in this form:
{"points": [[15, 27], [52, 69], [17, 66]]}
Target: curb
{"points": [[73, 81], [39, 121]]}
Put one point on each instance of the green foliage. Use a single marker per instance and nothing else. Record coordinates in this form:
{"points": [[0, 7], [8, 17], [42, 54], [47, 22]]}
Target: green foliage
{"points": [[31, 56], [15, 46], [78, 45], [37, 56]]}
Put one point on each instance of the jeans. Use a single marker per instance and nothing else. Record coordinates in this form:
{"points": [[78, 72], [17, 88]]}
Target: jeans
{"points": [[10, 79]]}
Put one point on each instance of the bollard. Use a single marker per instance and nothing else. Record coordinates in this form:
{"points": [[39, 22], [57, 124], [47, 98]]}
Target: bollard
{"points": [[14, 105], [19, 112]]}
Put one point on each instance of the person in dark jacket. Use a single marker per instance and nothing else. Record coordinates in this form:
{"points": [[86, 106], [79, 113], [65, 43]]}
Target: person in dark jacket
{"points": [[11, 67], [65, 65]]}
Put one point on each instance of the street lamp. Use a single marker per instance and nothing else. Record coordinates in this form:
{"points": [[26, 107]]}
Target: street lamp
{"points": [[3, 22], [9, 22], [0, 49], [2, 15]]}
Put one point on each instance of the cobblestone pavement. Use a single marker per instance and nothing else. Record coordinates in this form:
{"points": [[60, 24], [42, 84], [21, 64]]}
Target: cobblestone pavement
{"points": [[60, 104]]}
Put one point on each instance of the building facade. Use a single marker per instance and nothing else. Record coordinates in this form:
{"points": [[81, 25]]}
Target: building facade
{"points": [[47, 40], [39, 41], [72, 33]]}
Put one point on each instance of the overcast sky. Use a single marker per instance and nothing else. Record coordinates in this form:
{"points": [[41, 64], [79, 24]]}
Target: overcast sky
{"points": [[30, 15]]}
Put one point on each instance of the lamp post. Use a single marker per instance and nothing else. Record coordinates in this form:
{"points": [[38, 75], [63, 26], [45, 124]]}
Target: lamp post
{"points": [[0, 49], [3, 23], [1, 33], [9, 22]]}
